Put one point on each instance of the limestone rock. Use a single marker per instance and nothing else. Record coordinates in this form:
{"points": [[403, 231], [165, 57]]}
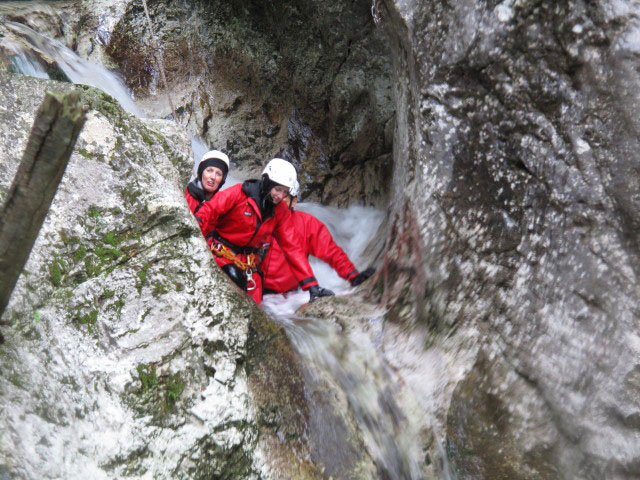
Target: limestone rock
{"points": [[514, 218], [125, 347], [307, 81]]}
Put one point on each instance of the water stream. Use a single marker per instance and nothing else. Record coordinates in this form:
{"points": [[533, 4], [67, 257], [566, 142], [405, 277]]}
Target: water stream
{"points": [[76, 69], [353, 362]]}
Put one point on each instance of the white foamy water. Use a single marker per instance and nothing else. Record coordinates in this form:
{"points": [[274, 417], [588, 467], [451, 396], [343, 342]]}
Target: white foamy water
{"points": [[354, 361], [23, 63], [357, 367], [75, 68]]}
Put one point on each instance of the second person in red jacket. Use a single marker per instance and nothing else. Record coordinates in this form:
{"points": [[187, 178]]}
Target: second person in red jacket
{"points": [[315, 239], [238, 223]]}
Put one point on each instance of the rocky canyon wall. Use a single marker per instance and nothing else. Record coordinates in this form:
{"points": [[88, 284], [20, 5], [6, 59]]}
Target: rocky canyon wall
{"points": [[307, 81], [514, 223]]}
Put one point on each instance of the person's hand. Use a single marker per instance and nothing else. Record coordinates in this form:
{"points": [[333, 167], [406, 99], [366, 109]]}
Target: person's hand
{"points": [[361, 277], [317, 291]]}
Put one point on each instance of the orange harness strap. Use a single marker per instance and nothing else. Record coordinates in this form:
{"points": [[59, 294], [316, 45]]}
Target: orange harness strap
{"points": [[222, 251]]}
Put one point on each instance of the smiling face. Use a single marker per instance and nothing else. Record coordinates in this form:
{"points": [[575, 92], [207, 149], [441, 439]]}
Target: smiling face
{"points": [[211, 179], [278, 193]]}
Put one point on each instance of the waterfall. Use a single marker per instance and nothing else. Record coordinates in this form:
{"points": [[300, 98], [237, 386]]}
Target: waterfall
{"points": [[25, 64], [354, 362], [75, 68]]}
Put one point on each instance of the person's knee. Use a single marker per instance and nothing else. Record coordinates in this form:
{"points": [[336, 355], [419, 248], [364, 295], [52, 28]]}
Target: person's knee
{"points": [[236, 274]]}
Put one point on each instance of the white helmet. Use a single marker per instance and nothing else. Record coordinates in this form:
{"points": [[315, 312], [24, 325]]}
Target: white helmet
{"points": [[211, 154], [214, 158], [295, 190], [281, 171]]}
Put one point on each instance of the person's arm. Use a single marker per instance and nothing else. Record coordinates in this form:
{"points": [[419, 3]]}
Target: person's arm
{"points": [[211, 210], [321, 245], [291, 245]]}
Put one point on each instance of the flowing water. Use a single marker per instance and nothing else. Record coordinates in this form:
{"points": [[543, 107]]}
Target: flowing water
{"points": [[76, 69], [353, 362]]}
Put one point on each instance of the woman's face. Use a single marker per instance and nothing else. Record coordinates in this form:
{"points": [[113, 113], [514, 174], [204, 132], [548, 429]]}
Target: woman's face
{"points": [[211, 179], [278, 193]]}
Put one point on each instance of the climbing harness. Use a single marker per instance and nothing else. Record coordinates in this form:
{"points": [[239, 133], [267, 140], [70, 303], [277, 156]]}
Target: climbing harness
{"points": [[247, 267]]}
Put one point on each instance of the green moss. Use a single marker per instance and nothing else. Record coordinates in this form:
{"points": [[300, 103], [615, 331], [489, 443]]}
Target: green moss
{"points": [[117, 305], [107, 294], [157, 394], [85, 153], [80, 253], [55, 272], [148, 376], [147, 138], [142, 275], [89, 320], [107, 255], [68, 239], [159, 289], [94, 212], [15, 379], [174, 386], [92, 269], [129, 195], [112, 239]]}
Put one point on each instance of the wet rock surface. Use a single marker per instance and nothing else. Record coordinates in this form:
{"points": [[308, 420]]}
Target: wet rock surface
{"points": [[117, 340], [307, 81], [514, 217], [125, 348], [511, 260]]}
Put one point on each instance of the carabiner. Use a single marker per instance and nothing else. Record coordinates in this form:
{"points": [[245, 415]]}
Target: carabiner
{"points": [[250, 280]]}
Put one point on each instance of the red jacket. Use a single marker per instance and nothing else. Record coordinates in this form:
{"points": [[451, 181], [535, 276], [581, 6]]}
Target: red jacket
{"points": [[236, 217], [195, 196], [315, 239]]}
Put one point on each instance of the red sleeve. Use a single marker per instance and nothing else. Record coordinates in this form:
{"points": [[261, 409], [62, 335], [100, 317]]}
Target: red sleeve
{"points": [[291, 245], [320, 244], [213, 209]]}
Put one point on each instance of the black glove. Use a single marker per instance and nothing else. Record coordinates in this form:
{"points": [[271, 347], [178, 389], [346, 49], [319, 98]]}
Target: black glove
{"points": [[317, 291], [361, 277]]}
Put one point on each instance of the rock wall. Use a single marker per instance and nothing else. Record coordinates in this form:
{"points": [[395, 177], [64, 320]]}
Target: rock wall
{"points": [[513, 229], [126, 352], [308, 81], [119, 345]]}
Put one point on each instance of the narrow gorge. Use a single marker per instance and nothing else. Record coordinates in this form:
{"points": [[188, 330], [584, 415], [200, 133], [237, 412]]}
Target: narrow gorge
{"points": [[482, 155]]}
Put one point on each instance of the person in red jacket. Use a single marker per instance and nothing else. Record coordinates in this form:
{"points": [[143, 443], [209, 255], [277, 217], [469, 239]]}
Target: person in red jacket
{"points": [[212, 173], [315, 240], [238, 223]]}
